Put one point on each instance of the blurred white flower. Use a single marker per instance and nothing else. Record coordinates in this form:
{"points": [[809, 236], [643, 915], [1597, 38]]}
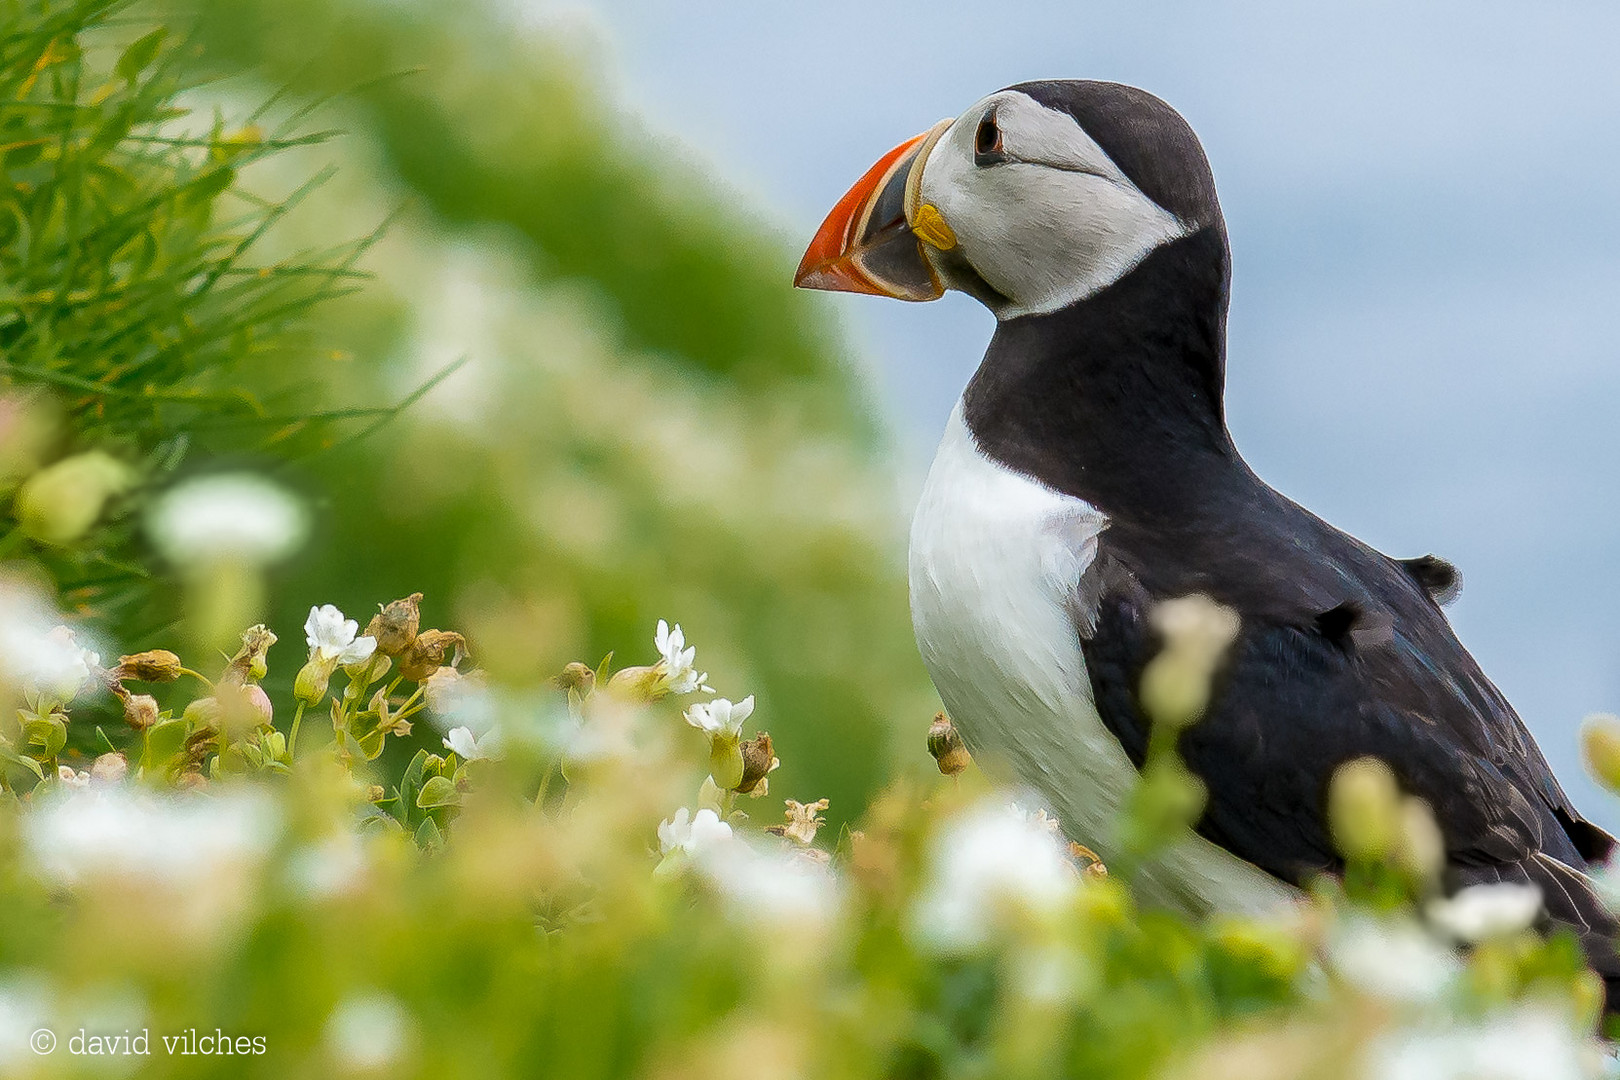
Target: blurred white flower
{"points": [[25, 1006], [1486, 911], [235, 516], [369, 1032], [773, 885], [54, 668], [1528, 1044], [117, 831], [72, 779], [988, 866], [687, 836], [336, 866], [192, 861], [461, 741], [1393, 959], [720, 718], [332, 638], [680, 676], [447, 688]]}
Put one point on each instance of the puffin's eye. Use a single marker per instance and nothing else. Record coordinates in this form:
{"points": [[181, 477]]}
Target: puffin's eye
{"points": [[987, 142]]}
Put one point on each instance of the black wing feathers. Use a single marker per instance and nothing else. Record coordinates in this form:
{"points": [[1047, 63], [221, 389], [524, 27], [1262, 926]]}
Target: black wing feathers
{"points": [[1342, 653]]}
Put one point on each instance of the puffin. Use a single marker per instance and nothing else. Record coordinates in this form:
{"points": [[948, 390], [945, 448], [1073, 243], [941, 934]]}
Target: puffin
{"points": [[1087, 476]]}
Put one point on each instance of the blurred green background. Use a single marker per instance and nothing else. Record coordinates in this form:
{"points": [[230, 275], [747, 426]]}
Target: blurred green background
{"points": [[649, 422]]}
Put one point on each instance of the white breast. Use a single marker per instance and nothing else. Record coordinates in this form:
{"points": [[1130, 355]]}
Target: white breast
{"points": [[995, 561]]}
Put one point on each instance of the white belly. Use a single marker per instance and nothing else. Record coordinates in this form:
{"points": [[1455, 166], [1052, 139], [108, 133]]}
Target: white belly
{"points": [[995, 561]]}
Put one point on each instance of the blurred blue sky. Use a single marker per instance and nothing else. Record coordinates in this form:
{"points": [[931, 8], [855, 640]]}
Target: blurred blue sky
{"points": [[1424, 204]]}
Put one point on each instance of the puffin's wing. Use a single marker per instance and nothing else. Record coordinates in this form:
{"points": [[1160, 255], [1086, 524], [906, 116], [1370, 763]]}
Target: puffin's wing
{"points": [[1294, 702], [1296, 699]]}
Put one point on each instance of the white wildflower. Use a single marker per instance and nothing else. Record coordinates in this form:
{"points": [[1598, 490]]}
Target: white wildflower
{"points": [[1393, 959], [688, 835], [461, 741], [990, 866], [369, 1032], [1486, 911], [780, 887], [72, 779], [680, 674], [190, 861], [54, 667], [721, 718], [1528, 1044], [332, 637], [235, 516]]}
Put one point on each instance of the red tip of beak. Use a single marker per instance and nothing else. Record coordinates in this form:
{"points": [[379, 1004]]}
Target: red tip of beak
{"points": [[831, 262]]}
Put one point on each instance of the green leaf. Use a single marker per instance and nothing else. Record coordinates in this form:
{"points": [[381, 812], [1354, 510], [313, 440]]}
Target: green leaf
{"points": [[7, 754], [139, 56], [163, 741], [46, 732], [428, 836], [438, 791]]}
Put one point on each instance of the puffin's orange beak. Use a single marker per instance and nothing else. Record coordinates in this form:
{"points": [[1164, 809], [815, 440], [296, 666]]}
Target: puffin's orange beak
{"points": [[866, 245]]}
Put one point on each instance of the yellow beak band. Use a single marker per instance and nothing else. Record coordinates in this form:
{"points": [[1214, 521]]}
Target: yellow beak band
{"points": [[924, 218], [931, 227]]}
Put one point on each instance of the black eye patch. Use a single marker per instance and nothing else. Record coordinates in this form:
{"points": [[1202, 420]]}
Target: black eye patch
{"points": [[987, 148]]}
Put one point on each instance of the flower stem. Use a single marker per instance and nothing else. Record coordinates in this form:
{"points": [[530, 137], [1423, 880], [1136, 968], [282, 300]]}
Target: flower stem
{"points": [[292, 736], [199, 676]]}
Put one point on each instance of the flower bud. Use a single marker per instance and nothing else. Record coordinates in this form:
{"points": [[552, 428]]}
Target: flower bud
{"points": [[945, 744], [110, 768], [1600, 749], [60, 503], [154, 665], [1364, 809], [1422, 849], [575, 676], [310, 684], [140, 711], [427, 652], [1197, 631], [641, 684], [725, 761], [203, 713], [758, 762], [396, 625]]}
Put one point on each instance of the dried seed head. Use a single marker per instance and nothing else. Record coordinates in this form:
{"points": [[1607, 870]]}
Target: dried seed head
{"points": [[575, 676], [945, 744], [153, 665], [395, 626], [802, 821], [759, 761], [110, 768], [427, 653], [249, 663], [140, 711]]}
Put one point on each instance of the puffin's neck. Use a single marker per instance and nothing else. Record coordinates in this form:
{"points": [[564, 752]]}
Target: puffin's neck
{"points": [[1116, 399]]}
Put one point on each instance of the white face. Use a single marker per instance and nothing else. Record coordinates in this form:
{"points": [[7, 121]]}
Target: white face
{"points": [[1045, 219]]}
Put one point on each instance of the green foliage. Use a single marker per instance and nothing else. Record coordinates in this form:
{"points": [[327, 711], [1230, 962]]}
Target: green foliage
{"points": [[130, 289]]}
